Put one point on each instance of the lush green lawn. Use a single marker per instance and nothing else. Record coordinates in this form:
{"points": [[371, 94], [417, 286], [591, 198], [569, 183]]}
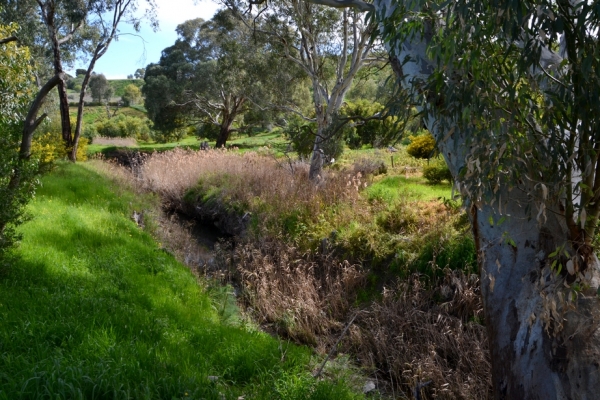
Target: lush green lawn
{"points": [[91, 308]]}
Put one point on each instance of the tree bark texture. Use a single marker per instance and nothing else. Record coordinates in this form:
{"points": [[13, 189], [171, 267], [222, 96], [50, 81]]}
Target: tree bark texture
{"points": [[48, 11], [541, 348]]}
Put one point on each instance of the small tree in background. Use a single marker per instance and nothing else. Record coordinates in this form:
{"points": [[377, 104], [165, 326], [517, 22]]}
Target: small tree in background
{"points": [[139, 73], [108, 93], [131, 95], [98, 85]]}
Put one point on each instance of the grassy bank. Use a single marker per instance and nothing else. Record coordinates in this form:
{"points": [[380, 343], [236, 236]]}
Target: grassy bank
{"points": [[91, 307], [379, 249]]}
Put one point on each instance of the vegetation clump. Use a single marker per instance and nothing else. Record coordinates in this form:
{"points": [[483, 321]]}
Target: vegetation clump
{"points": [[437, 171]]}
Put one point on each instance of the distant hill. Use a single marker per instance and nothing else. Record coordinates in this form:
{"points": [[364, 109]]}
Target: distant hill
{"points": [[119, 85]]}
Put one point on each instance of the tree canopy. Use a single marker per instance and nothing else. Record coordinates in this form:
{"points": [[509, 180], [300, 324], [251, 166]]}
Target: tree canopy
{"points": [[213, 74], [17, 90], [330, 47]]}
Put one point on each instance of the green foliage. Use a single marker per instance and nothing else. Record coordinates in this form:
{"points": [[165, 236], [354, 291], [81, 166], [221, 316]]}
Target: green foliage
{"points": [[98, 86], [93, 308], [131, 95], [123, 126], [119, 85], [362, 130], [422, 146], [214, 79], [139, 73], [16, 91], [437, 171], [301, 134], [207, 131]]}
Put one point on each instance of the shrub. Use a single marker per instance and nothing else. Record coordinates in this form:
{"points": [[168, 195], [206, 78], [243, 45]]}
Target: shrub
{"points": [[17, 177], [374, 132], [50, 147], [437, 171], [123, 126], [302, 135], [163, 136], [207, 131], [422, 146]]}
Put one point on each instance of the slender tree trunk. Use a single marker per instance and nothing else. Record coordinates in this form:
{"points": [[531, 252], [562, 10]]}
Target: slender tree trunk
{"points": [[81, 104], [540, 347], [64, 106], [61, 87], [317, 159]]}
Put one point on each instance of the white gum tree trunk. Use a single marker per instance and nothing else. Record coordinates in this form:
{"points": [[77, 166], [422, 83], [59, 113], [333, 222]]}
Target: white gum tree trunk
{"points": [[542, 346]]}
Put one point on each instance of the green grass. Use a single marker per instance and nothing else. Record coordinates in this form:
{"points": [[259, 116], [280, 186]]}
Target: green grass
{"points": [[393, 188], [189, 141], [91, 308], [118, 85], [92, 114], [273, 139]]}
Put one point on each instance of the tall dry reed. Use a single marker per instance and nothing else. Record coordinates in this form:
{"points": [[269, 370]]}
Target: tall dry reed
{"points": [[415, 333], [250, 182]]}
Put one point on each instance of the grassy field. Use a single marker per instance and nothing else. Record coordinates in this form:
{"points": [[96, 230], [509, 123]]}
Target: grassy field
{"points": [[92, 114], [92, 308], [118, 85]]}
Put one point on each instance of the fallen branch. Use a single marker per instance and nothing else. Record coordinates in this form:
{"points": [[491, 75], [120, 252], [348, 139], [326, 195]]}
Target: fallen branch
{"points": [[320, 371]]}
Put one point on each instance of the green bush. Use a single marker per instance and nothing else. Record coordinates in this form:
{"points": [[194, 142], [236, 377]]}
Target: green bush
{"points": [[437, 171], [376, 133], [163, 136], [123, 126], [208, 131], [301, 134], [422, 146]]}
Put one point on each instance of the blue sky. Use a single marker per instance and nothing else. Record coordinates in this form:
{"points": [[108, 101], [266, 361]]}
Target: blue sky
{"points": [[131, 52]]}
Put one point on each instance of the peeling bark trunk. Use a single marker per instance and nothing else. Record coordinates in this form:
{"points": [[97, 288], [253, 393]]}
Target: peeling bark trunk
{"points": [[540, 348], [519, 293]]}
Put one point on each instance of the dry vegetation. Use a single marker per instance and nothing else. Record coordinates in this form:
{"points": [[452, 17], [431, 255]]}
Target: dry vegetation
{"points": [[419, 329], [121, 142]]}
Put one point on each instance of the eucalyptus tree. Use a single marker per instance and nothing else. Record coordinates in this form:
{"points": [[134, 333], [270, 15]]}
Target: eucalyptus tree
{"points": [[329, 46], [510, 90], [212, 75], [62, 30]]}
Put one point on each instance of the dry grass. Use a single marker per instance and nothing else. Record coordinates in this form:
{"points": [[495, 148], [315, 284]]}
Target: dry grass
{"points": [[248, 182], [416, 333], [419, 330], [412, 339], [108, 141], [300, 295]]}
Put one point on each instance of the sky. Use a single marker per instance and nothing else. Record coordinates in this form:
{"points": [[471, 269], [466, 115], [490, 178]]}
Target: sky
{"points": [[130, 52]]}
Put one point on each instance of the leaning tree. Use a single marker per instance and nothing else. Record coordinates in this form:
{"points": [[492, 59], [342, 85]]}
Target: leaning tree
{"points": [[510, 90], [60, 30]]}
